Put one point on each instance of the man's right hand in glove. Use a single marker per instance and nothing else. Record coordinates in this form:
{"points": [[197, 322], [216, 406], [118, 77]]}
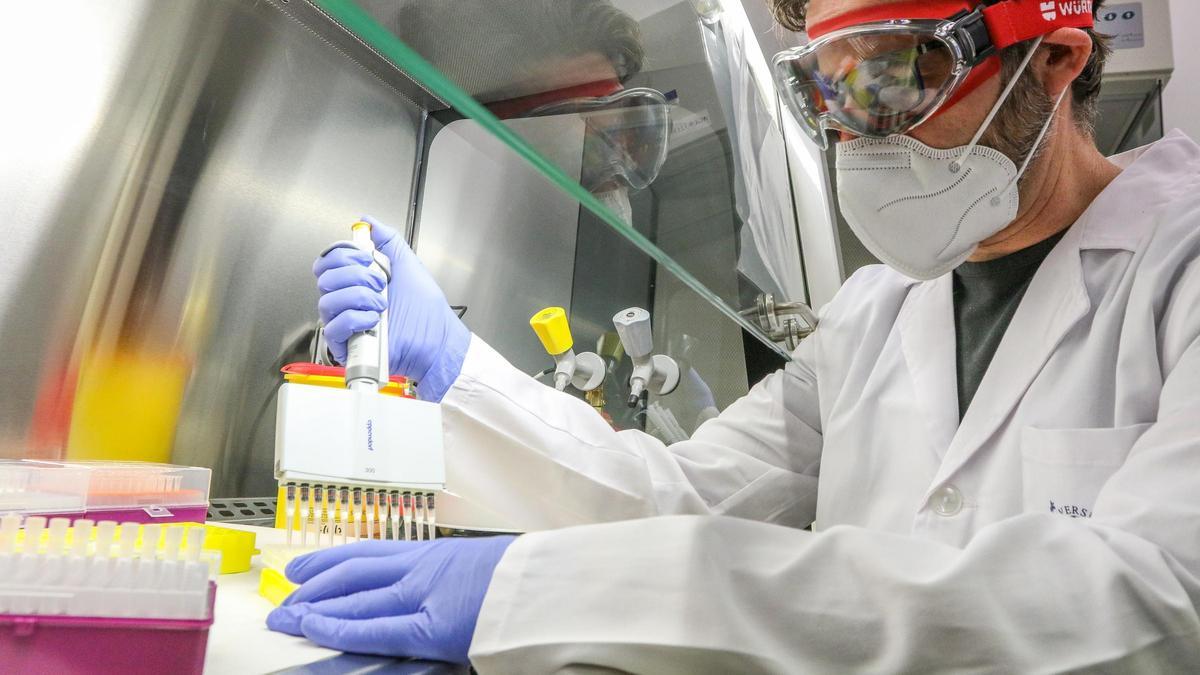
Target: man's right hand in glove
{"points": [[426, 339]]}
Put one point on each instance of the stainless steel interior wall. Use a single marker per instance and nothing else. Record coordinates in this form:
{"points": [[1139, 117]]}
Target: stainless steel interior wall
{"points": [[169, 169], [508, 252]]}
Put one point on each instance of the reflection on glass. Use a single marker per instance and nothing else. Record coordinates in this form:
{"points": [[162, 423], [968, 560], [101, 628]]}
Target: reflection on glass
{"points": [[625, 136], [534, 56]]}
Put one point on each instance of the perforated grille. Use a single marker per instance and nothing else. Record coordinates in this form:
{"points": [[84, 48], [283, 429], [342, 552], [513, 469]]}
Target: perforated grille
{"points": [[245, 510]]}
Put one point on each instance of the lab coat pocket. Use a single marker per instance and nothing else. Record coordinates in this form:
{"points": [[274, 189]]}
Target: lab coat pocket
{"points": [[1063, 469]]}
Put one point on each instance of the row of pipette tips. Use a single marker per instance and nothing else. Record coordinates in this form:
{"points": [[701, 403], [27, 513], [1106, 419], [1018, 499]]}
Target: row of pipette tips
{"points": [[331, 515], [112, 577]]}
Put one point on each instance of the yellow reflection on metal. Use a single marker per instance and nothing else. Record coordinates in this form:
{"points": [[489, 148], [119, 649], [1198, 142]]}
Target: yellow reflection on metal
{"points": [[126, 406]]}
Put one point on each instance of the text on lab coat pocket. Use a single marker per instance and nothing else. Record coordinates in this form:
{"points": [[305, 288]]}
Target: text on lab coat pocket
{"points": [[1063, 470]]}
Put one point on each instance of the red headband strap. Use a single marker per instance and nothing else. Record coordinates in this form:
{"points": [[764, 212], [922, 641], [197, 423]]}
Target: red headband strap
{"points": [[515, 107], [1008, 21], [1014, 21]]}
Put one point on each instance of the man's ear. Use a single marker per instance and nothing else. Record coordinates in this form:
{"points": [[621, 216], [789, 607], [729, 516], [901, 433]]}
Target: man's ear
{"points": [[1061, 58]]}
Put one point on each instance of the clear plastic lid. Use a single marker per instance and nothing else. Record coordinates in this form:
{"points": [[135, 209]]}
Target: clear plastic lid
{"points": [[46, 487]]}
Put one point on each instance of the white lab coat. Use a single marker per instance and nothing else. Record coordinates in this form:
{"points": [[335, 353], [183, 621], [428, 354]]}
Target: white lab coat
{"points": [[1056, 528]]}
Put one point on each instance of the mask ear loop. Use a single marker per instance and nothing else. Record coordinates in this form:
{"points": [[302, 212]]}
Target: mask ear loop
{"points": [[1034, 150], [957, 164]]}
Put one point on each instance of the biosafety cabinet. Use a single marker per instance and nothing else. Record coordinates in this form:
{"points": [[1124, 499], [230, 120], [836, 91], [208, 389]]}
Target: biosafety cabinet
{"points": [[171, 168]]}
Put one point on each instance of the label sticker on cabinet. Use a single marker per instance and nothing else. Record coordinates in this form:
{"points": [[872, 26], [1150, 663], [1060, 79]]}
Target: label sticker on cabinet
{"points": [[1125, 23]]}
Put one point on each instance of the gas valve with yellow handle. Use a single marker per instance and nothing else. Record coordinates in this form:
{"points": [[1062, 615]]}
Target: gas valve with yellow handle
{"points": [[584, 371]]}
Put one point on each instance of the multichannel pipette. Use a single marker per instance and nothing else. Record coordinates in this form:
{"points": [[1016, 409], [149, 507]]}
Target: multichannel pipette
{"points": [[119, 574], [355, 460]]}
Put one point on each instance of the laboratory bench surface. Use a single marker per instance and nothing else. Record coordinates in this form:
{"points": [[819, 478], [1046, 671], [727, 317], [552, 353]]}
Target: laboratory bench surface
{"points": [[239, 641]]}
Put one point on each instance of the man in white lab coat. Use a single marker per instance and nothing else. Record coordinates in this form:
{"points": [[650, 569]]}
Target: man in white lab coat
{"points": [[999, 458]]}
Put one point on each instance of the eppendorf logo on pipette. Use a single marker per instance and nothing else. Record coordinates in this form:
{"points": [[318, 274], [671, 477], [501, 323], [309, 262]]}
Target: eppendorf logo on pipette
{"points": [[370, 435]]}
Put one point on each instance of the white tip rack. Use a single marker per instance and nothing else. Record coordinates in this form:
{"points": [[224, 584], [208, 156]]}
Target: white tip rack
{"points": [[119, 572]]}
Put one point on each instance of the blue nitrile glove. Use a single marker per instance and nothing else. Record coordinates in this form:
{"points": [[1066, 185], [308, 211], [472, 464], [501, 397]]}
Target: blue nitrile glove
{"points": [[393, 598], [426, 340]]}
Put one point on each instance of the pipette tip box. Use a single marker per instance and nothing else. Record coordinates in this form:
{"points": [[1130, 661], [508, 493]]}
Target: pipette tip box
{"points": [[122, 491], [73, 644]]}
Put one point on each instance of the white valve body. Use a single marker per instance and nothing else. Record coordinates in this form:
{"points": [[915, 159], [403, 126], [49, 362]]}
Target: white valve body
{"points": [[633, 327], [583, 371], [658, 373]]}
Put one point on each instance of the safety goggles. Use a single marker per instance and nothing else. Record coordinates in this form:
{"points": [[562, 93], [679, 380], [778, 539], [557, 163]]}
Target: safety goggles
{"points": [[887, 69], [626, 135]]}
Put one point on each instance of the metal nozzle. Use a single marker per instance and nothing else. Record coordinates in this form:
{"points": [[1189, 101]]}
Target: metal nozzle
{"points": [[636, 387], [561, 380]]}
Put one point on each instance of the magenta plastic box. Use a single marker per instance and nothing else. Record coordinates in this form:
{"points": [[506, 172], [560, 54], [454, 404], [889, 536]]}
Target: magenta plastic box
{"points": [[70, 645], [127, 492]]}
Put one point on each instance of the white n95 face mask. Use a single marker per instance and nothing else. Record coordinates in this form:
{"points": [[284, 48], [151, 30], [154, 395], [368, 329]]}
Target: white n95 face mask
{"points": [[901, 199], [923, 211]]}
